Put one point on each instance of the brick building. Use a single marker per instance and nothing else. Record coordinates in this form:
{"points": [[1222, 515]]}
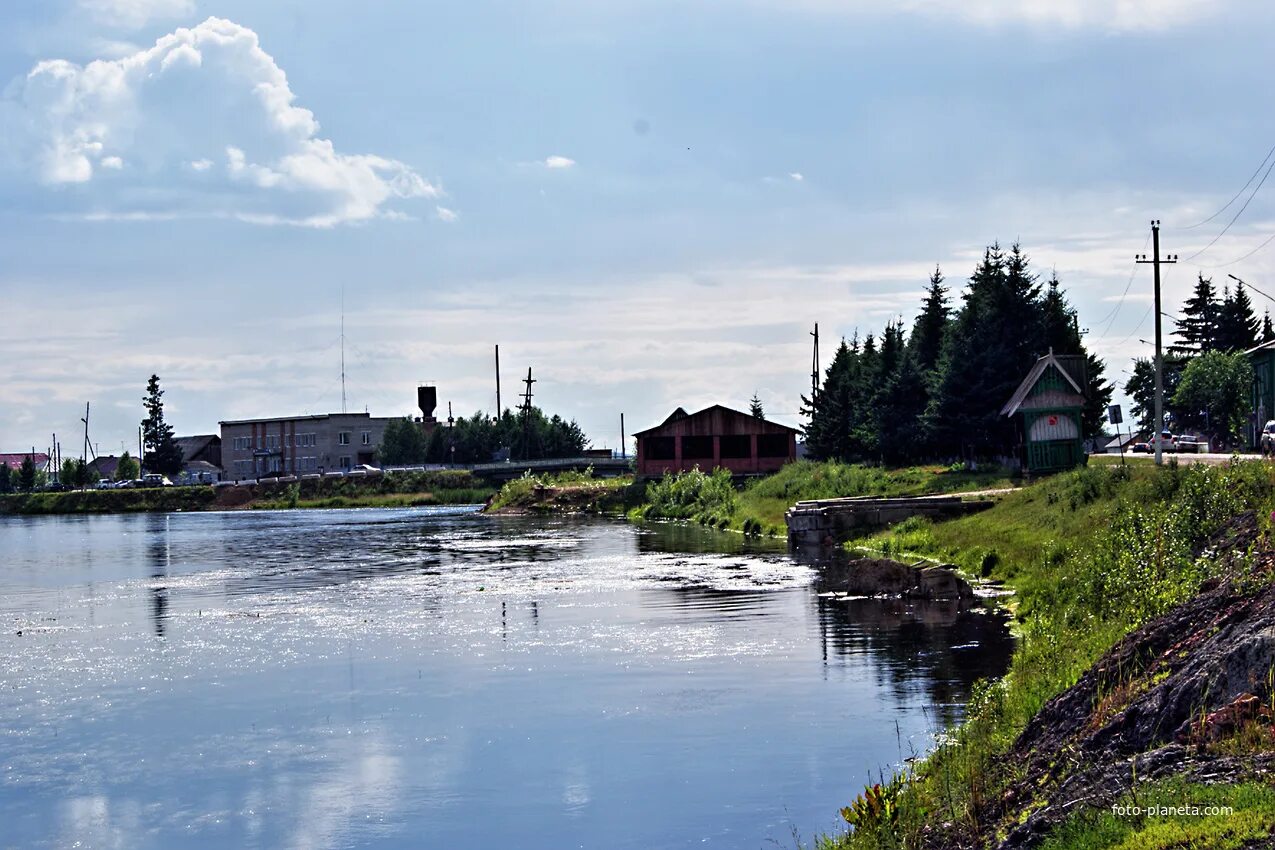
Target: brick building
{"points": [[299, 445], [715, 437]]}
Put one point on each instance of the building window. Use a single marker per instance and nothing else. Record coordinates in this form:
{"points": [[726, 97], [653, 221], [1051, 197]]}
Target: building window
{"points": [[659, 448], [697, 448], [345, 463], [772, 445], [367, 438], [343, 438], [736, 446]]}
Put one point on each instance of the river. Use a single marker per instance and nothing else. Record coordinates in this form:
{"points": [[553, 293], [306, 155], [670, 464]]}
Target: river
{"points": [[437, 678]]}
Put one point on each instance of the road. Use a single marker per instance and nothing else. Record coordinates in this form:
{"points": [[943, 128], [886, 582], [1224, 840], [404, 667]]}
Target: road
{"points": [[1213, 458]]}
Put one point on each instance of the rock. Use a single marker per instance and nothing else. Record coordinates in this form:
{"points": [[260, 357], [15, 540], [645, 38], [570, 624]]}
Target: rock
{"points": [[884, 577], [1226, 721]]}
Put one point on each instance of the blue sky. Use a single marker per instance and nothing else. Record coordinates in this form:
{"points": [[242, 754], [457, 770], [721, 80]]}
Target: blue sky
{"points": [[649, 203]]}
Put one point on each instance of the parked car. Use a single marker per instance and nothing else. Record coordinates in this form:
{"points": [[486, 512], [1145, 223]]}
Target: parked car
{"points": [[1267, 441], [1141, 448], [154, 479], [105, 484]]}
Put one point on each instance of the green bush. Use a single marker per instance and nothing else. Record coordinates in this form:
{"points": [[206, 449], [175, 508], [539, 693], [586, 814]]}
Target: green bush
{"points": [[692, 495]]}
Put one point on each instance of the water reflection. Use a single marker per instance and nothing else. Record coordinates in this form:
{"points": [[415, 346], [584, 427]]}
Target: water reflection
{"points": [[433, 678], [160, 554]]}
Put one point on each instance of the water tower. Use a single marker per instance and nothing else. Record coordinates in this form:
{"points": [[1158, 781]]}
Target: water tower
{"points": [[427, 401]]}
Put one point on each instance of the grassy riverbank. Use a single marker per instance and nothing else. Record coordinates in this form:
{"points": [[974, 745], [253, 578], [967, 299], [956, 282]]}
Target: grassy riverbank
{"points": [[390, 490], [1092, 556], [110, 501], [712, 499]]}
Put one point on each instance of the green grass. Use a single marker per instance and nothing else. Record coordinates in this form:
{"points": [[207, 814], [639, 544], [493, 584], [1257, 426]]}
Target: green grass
{"points": [[567, 491], [759, 506], [110, 501], [1251, 817], [766, 499], [1091, 554]]}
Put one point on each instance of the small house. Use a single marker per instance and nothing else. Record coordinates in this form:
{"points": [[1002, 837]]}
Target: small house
{"points": [[1263, 399], [716, 437], [1049, 403]]}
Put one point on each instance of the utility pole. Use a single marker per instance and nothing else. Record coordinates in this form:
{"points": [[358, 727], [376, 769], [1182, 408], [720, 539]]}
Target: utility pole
{"points": [[526, 416], [498, 410], [814, 367], [1155, 261], [624, 443]]}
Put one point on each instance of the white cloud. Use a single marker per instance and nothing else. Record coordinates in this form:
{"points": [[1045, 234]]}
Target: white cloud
{"points": [[796, 176], [209, 91], [136, 13], [112, 162], [556, 161], [444, 214]]}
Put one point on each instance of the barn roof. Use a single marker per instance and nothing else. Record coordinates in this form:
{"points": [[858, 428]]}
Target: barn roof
{"points": [[192, 446], [14, 460], [680, 414], [1067, 365]]}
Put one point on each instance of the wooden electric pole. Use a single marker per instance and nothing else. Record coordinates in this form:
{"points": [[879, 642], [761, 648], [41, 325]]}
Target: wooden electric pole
{"points": [[1156, 261], [527, 416], [814, 367]]}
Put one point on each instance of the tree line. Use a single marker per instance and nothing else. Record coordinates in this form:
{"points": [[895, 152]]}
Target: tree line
{"points": [[481, 438], [1207, 377], [936, 391]]}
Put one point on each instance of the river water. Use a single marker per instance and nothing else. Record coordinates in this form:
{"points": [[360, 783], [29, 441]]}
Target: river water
{"points": [[435, 678]]}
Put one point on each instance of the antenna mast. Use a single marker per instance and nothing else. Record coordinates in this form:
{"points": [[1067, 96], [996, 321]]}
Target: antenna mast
{"points": [[343, 349]]}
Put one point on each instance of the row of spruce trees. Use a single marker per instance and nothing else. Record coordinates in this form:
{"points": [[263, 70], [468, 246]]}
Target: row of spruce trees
{"points": [[936, 392]]}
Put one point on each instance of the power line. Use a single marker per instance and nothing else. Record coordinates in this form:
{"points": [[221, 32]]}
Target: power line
{"points": [[1236, 196], [1116, 311], [1235, 217], [1138, 329], [1268, 241]]}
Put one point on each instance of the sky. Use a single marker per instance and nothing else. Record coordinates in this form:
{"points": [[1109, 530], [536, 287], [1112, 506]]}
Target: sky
{"points": [[650, 204]]}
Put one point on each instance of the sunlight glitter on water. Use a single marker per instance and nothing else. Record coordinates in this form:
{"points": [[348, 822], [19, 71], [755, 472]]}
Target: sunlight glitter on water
{"points": [[387, 678]]}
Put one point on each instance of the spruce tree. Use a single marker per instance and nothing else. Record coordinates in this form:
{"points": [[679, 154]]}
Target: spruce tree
{"points": [[899, 409], [1197, 325], [1268, 331], [6, 478], [1060, 330], [755, 408], [1237, 325], [26, 474], [1093, 418], [163, 455], [828, 430], [993, 342], [926, 342]]}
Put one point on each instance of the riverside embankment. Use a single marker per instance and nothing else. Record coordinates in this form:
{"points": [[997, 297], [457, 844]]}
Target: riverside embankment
{"points": [[387, 490], [1144, 603]]}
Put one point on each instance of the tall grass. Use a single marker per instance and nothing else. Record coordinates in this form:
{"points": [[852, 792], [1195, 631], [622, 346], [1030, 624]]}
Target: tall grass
{"points": [[1093, 555]]}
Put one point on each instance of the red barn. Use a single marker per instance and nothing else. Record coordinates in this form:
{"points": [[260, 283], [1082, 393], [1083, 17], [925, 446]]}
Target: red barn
{"points": [[715, 437]]}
